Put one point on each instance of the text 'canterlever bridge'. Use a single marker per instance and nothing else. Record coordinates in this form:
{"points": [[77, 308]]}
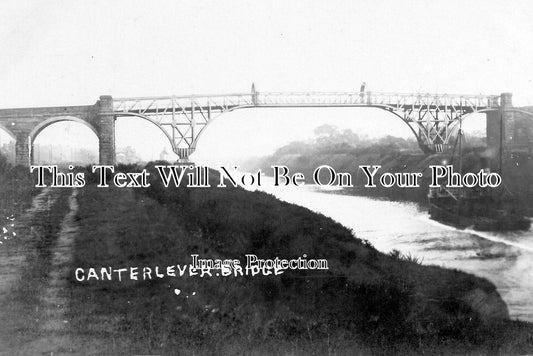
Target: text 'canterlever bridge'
{"points": [[431, 117]]}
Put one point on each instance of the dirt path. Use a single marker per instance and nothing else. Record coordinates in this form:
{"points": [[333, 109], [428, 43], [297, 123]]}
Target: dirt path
{"points": [[36, 325], [12, 251], [54, 330]]}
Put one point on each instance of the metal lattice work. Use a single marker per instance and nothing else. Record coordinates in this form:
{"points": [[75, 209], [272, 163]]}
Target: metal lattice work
{"points": [[431, 117]]}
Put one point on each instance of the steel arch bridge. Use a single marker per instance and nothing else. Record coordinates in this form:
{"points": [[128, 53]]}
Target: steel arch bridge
{"points": [[431, 117]]}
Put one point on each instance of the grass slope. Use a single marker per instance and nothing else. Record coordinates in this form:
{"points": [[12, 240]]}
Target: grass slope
{"points": [[367, 302]]}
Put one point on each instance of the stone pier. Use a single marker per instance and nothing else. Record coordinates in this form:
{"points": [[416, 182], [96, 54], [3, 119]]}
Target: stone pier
{"points": [[106, 120]]}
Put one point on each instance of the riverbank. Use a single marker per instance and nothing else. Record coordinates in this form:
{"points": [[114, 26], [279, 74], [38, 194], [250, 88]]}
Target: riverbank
{"points": [[366, 300], [366, 303]]}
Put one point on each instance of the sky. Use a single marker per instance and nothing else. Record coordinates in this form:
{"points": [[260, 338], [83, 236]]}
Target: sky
{"points": [[71, 52]]}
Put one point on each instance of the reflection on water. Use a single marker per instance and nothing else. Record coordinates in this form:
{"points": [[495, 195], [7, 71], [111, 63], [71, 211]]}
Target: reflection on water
{"points": [[506, 259]]}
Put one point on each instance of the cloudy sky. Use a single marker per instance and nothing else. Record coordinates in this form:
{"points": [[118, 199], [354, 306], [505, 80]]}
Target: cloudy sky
{"points": [[71, 52]]}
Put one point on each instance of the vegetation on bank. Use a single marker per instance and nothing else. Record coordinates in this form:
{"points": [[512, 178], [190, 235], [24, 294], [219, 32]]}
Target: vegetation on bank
{"points": [[345, 152], [366, 302], [16, 189]]}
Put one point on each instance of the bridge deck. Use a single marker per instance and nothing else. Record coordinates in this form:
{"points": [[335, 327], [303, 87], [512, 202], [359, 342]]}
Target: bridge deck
{"points": [[393, 101], [431, 117], [45, 111]]}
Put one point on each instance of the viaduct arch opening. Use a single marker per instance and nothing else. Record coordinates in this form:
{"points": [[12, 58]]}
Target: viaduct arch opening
{"points": [[260, 131], [7, 145], [64, 140]]}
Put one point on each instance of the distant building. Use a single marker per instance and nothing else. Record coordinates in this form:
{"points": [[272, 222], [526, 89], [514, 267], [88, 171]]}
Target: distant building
{"points": [[163, 156], [127, 155]]}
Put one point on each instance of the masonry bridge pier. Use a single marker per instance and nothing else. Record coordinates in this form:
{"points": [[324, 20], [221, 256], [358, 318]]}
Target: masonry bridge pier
{"points": [[432, 118]]}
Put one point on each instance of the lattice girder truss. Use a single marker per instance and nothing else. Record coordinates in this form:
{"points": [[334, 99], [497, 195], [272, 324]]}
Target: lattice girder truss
{"points": [[183, 118]]}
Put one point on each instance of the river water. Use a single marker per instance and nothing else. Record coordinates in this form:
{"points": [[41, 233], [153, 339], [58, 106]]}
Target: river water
{"points": [[506, 259]]}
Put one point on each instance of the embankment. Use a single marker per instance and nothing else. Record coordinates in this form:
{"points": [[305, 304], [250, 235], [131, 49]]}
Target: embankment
{"points": [[365, 301]]}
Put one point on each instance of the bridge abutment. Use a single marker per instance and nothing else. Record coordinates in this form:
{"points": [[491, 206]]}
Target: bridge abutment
{"points": [[106, 120], [497, 122]]}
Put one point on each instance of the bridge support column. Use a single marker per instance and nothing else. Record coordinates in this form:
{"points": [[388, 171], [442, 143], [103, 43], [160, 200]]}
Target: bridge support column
{"points": [[107, 130], [23, 149], [496, 123], [184, 154]]}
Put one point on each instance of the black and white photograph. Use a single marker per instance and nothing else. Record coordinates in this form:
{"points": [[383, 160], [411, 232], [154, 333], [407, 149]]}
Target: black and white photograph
{"points": [[236, 177]]}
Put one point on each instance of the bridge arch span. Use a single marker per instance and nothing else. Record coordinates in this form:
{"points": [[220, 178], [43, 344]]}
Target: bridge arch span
{"points": [[493, 122], [385, 108], [488, 111], [5, 133], [167, 135], [394, 112], [44, 124], [76, 149]]}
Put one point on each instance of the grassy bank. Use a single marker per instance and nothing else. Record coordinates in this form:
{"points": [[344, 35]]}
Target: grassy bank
{"points": [[367, 302], [16, 190]]}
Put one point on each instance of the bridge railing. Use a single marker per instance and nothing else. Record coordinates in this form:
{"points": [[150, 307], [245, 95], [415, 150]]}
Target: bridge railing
{"points": [[167, 105], [394, 100], [310, 98], [180, 104]]}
